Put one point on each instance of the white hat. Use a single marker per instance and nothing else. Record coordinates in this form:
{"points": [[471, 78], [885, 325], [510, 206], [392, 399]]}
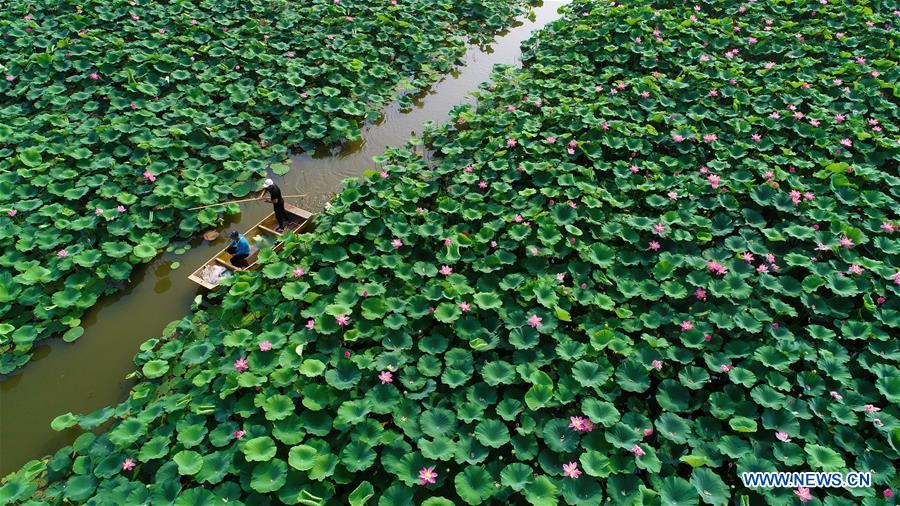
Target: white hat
{"points": [[268, 183]]}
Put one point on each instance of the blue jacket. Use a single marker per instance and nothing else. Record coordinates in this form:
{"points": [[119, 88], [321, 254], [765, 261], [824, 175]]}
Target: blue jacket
{"points": [[243, 247]]}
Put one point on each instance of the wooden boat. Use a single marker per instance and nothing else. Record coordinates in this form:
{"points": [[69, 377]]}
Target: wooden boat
{"points": [[262, 234]]}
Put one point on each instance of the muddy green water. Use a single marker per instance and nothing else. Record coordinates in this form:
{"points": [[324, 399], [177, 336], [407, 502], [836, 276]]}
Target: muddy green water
{"points": [[90, 373]]}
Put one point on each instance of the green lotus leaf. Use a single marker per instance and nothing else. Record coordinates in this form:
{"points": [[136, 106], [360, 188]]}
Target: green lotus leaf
{"points": [[269, 476], [155, 368], [189, 462], [474, 485], [492, 433], [357, 456], [259, 449], [144, 251], [675, 491], [709, 486], [73, 334], [824, 458], [361, 494], [64, 421]]}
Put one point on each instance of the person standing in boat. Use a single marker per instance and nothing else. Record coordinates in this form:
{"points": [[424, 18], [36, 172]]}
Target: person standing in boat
{"points": [[239, 248], [277, 201]]}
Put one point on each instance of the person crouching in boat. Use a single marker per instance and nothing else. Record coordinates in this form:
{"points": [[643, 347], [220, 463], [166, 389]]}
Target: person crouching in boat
{"points": [[277, 201], [239, 249]]}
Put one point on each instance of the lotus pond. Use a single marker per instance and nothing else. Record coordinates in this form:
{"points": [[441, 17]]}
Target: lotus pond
{"points": [[663, 253], [117, 117]]}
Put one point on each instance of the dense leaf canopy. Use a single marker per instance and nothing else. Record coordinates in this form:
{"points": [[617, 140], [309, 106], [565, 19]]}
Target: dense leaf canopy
{"points": [[602, 286], [116, 117]]}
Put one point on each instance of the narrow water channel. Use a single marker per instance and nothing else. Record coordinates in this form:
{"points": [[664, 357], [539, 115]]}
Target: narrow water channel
{"points": [[90, 373]]}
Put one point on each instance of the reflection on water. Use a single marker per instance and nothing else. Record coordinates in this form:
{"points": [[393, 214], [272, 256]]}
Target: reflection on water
{"points": [[90, 373]]}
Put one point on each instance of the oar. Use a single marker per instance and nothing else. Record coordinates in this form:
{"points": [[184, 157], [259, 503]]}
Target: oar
{"points": [[239, 201]]}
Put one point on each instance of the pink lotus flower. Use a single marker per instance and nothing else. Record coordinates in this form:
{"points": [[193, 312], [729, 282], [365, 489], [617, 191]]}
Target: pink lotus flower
{"points": [[710, 138], [769, 65], [704, 57], [241, 364], [383, 174], [775, 115], [427, 475], [571, 470], [677, 137], [714, 180], [342, 320], [836, 396], [149, 176], [896, 278], [94, 76], [846, 142], [877, 422], [656, 364], [659, 228], [648, 432], [62, 253], [265, 345], [397, 243], [580, 424], [654, 246], [446, 270], [560, 276], [346, 354], [707, 338], [464, 306], [860, 60], [726, 367], [716, 267], [888, 493], [511, 108], [298, 272], [795, 197], [518, 218], [888, 227], [821, 247], [803, 494], [310, 324], [645, 94], [98, 211], [448, 242], [385, 377], [535, 321], [783, 436], [700, 294], [194, 22], [869, 408], [634, 169], [846, 242], [637, 451], [120, 209], [748, 257], [855, 269], [12, 212], [714, 92], [238, 434], [880, 300], [493, 244], [551, 140], [686, 325], [762, 269], [511, 143], [162, 30], [798, 115], [128, 464], [672, 195], [10, 78]]}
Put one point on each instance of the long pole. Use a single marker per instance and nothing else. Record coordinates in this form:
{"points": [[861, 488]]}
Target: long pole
{"points": [[239, 201]]}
